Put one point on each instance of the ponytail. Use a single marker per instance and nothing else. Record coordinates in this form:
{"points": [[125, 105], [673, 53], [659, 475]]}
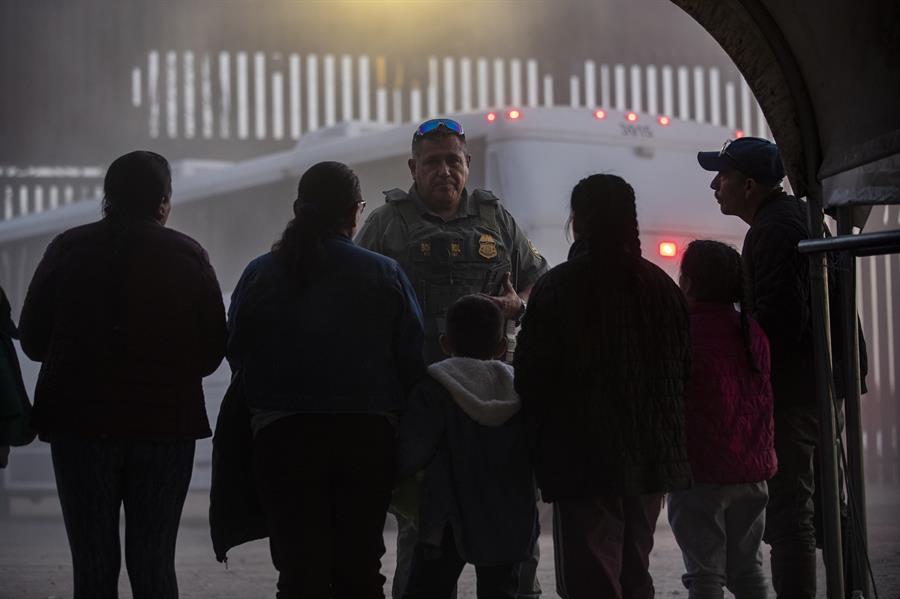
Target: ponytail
{"points": [[325, 194]]}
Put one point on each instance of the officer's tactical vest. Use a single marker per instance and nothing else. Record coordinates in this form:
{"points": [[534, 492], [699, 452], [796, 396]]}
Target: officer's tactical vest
{"points": [[447, 260]]}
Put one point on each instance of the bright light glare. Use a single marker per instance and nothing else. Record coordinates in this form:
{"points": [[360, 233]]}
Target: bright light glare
{"points": [[513, 114], [599, 114], [738, 134], [664, 121], [491, 117], [668, 249], [631, 117]]}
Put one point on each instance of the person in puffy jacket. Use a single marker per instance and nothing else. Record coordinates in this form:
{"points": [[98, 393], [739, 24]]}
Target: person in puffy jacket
{"points": [[719, 522], [464, 427]]}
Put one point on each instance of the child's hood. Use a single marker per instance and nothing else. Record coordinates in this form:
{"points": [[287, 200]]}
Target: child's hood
{"points": [[483, 389]]}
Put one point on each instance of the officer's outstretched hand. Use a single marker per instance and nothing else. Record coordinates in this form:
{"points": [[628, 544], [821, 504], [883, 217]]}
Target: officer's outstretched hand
{"points": [[510, 303]]}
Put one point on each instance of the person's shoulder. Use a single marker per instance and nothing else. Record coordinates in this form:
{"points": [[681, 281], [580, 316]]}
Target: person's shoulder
{"points": [[572, 267], [174, 243], [78, 233], [657, 273], [663, 286], [489, 198], [365, 255], [786, 215], [261, 263], [384, 212], [382, 216], [486, 196], [561, 276], [179, 239], [427, 388]]}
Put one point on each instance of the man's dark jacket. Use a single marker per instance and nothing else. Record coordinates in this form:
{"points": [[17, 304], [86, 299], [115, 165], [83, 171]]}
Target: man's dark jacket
{"points": [[601, 368], [127, 318], [778, 298]]}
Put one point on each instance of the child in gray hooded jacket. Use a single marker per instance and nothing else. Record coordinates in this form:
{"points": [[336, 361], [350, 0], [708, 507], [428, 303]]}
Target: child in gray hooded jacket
{"points": [[462, 425]]}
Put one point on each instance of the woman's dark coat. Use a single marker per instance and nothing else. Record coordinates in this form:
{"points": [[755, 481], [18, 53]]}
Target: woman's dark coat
{"points": [[126, 318], [601, 370]]}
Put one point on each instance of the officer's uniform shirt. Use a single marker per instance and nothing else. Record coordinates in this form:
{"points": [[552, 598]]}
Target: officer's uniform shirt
{"points": [[444, 260]]}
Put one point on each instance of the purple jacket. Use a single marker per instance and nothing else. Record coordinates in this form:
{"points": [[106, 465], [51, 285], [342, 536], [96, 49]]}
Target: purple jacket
{"points": [[728, 406]]}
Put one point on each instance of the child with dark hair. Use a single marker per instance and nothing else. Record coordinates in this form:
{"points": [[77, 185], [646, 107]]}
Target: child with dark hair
{"points": [[730, 431], [463, 427]]}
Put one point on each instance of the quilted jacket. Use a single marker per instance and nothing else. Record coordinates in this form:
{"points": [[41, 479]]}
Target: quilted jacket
{"points": [[601, 368], [728, 405]]}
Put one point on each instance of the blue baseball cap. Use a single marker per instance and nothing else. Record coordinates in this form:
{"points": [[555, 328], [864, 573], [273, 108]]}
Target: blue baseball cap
{"points": [[755, 157]]}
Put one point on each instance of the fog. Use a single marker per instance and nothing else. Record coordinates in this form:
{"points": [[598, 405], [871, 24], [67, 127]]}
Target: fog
{"points": [[241, 96]]}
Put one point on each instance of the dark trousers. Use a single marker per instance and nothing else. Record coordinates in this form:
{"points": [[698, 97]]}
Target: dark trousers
{"points": [[94, 480], [324, 483], [407, 540], [602, 546], [435, 571], [789, 514]]}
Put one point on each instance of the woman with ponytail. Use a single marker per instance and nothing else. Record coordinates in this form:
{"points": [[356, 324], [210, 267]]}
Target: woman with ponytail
{"points": [[730, 431], [601, 363], [327, 339]]}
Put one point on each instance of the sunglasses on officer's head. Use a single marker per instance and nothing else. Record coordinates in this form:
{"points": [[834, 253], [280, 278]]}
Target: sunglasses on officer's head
{"points": [[433, 124]]}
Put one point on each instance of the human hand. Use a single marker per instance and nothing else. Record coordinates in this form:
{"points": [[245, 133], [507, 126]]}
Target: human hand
{"points": [[509, 303]]}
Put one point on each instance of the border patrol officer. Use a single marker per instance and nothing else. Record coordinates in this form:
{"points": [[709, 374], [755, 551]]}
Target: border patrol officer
{"points": [[451, 243]]}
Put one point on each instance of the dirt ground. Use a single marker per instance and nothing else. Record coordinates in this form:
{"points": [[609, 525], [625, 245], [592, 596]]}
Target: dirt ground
{"points": [[34, 556]]}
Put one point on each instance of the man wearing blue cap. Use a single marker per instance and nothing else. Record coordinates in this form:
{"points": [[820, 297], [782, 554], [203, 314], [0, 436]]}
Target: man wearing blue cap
{"points": [[748, 185]]}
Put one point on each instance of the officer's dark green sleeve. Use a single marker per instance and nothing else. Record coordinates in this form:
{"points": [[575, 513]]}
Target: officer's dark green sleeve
{"points": [[370, 235], [530, 264]]}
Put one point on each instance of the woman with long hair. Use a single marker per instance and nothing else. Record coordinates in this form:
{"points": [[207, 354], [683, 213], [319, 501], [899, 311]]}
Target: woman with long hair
{"points": [[601, 363], [126, 317], [327, 338]]}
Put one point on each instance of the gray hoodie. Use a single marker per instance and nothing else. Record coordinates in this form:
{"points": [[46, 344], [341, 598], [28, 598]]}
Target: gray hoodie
{"points": [[462, 425]]}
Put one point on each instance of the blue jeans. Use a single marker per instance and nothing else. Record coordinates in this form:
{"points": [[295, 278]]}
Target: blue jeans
{"points": [[719, 529], [94, 480]]}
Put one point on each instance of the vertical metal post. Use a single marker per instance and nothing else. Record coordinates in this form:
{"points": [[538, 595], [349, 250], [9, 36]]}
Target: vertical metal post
{"points": [[637, 102], [831, 521], [329, 88], [465, 84], [856, 482], [590, 84], [531, 69]]}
